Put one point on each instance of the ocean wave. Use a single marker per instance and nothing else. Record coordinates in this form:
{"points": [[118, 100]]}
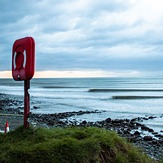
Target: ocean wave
{"points": [[136, 97], [58, 87], [124, 90], [73, 106]]}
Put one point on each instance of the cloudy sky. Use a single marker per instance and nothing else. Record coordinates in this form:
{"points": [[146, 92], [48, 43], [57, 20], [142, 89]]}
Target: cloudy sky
{"points": [[85, 37]]}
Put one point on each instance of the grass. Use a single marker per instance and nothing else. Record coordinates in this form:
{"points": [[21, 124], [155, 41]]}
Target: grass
{"points": [[68, 145]]}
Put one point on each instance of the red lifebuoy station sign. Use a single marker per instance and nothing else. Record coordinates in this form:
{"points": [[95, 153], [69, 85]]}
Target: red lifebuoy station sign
{"points": [[23, 59], [23, 68]]}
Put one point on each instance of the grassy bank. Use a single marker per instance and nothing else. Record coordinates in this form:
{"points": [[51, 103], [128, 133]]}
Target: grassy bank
{"points": [[69, 145]]}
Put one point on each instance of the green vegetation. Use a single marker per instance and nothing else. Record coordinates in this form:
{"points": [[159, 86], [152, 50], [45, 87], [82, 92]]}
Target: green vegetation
{"points": [[68, 145]]}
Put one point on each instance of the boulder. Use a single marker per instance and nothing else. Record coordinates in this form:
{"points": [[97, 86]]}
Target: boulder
{"points": [[147, 138]]}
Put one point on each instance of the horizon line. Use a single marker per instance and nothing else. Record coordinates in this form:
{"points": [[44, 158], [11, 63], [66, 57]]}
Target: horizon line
{"points": [[82, 74]]}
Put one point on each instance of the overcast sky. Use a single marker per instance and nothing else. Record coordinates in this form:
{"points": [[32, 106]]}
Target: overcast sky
{"points": [[96, 37]]}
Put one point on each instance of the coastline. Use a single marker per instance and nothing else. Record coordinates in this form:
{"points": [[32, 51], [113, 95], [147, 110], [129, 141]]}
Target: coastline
{"points": [[133, 130]]}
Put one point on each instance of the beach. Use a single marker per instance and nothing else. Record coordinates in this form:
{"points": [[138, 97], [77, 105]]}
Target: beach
{"points": [[133, 130]]}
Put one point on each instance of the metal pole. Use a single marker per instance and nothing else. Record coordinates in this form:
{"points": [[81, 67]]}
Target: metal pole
{"points": [[26, 103]]}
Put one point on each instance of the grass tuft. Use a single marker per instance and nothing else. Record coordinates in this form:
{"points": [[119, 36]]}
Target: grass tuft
{"points": [[68, 145]]}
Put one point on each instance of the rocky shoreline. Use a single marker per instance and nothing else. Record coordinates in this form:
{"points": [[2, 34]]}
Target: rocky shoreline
{"points": [[139, 134], [133, 130]]}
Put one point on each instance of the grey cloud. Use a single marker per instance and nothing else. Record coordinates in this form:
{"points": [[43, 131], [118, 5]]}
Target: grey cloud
{"points": [[80, 38]]}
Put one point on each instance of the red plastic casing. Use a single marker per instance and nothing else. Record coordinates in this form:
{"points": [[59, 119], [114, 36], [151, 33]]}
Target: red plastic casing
{"points": [[23, 59]]}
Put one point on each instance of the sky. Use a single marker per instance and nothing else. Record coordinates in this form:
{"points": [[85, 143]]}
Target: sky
{"points": [[85, 38]]}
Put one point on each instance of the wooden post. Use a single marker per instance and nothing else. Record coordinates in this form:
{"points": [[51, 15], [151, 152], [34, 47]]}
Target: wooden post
{"points": [[26, 103]]}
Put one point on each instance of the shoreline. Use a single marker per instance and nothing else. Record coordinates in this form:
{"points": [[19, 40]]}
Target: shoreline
{"points": [[133, 130]]}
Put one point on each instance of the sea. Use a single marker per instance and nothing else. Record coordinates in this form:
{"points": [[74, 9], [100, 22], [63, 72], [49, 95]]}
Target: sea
{"points": [[114, 97]]}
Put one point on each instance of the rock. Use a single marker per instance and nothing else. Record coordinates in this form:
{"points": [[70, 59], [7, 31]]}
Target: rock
{"points": [[140, 119], [126, 132], [35, 107], [108, 120], [145, 118], [147, 138], [50, 123], [144, 127], [117, 121], [127, 120], [134, 120], [84, 123], [159, 136], [136, 133], [155, 133], [155, 142], [150, 130], [152, 117], [160, 141]]}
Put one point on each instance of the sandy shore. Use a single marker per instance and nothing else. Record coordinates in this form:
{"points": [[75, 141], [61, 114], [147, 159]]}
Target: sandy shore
{"points": [[133, 130]]}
